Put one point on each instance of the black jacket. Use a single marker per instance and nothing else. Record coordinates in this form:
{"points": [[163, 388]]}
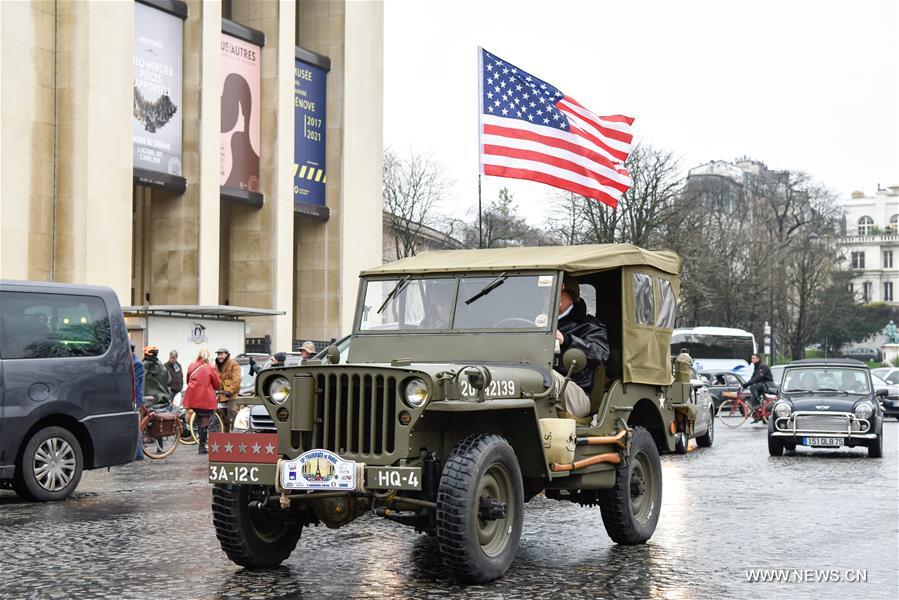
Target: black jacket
{"points": [[760, 374], [585, 332]]}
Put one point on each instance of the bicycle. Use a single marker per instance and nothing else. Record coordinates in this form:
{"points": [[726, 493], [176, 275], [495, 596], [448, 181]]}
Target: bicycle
{"points": [[734, 410], [216, 425], [160, 432]]}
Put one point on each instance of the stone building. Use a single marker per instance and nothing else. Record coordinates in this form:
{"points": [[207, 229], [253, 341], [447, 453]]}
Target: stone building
{"points": [[77, 208], [870, 244]]}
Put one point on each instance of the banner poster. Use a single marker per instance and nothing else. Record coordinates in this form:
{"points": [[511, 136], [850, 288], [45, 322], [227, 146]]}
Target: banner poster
{"points": [[310, 125], [239, 144], [156, 126]]}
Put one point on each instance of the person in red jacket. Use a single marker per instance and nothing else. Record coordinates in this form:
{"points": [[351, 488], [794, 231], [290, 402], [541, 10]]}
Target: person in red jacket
{"points": [[202, 383]]}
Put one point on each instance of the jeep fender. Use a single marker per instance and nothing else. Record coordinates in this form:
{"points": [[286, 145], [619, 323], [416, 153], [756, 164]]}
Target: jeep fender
{"points": [[444, 423]]}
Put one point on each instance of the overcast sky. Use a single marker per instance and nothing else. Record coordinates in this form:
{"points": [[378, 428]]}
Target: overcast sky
{"points": [[801, 85]]}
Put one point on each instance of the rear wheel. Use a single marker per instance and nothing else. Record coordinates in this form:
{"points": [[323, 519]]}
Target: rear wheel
{"points": [[157, 447], [216, 425], [251, 537], [480, 508], [50, 466], [706, 439], [630, 510], [733, 413]]}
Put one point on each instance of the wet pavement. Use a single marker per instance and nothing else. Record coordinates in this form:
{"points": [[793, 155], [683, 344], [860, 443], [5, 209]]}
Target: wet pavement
{"points": [[145, 531]]}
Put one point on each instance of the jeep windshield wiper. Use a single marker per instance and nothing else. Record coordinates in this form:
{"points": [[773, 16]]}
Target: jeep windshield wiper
{"points": [[501, 279], [395, 291]]}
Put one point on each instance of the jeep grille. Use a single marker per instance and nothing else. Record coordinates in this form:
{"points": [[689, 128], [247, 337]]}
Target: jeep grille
{"points": [[355, 415]]}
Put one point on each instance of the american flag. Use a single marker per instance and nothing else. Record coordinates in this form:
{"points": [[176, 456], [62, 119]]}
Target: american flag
{"points": [[531, 130]]}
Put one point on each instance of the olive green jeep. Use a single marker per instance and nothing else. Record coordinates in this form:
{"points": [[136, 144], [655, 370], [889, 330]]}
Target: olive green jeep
{"points": [[445, 416]]}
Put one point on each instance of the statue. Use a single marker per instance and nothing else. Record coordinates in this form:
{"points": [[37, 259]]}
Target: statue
{"points": [[891, 333]]}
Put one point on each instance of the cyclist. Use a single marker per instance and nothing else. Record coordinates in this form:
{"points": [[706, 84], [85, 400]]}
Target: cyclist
{"points": [[759, 382]]}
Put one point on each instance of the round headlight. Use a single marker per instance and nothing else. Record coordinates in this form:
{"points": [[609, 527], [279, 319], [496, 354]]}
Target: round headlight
{"points": [[416, 393], [242, 420], [279, 390], [864, 410], [782, 409]]}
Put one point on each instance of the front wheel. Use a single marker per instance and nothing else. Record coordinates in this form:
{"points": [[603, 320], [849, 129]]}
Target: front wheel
{"points": [[251, 537], [480, 508], [630, 510], [708, 438], [775, 446], [733, 413], [875, 447], [50, 466]]}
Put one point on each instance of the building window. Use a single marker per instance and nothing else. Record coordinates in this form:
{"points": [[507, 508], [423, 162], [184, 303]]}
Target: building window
{"points": [[866, 291], [858, 260], [865, 225], [893, 227], [887, 291], [887, 259]]}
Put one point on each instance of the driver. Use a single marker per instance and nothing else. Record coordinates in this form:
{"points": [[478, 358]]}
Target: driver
{"points": [[849, 382], [579, 330]]}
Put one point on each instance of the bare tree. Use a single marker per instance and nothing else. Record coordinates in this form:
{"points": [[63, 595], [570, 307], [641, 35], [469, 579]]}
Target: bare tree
{"points": [[413, 187]]}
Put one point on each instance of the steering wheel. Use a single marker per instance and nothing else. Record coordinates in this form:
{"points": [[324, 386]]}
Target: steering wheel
{"points": [[510, 320]]}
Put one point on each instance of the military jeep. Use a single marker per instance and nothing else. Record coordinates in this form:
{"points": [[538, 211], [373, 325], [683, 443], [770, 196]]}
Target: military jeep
{"points": [[445, 416]]}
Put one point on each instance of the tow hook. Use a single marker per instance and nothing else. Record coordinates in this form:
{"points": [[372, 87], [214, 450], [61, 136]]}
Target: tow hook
{"points": [[491, 510]]}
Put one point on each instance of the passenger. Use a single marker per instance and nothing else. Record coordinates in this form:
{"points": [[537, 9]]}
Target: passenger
{"points": [[278, 359], [307, 350], [579, 330]]}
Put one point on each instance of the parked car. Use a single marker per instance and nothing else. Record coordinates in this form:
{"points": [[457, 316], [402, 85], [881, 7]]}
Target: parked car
{"points": [[250, 364], [827, 404], [66, 386], [723, 381], [703, 430], [888, 374], [863, 354], [889, 402]]}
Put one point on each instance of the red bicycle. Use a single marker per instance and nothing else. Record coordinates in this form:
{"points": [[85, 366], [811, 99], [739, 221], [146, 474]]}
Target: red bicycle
{"points": [[734, 410]]}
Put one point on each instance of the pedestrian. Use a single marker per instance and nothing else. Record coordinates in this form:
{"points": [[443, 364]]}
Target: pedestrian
{"points": [[278, 359], [157, 382], [175, 373], [200, 396], [138, 367], [229, 375], [307, 350]]}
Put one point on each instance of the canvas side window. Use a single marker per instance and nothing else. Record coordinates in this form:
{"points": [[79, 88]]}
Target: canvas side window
{"points": [[667, 305], [643, 300]]}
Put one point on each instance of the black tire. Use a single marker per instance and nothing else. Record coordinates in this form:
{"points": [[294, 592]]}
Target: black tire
{"points": [[775, 446], [630, 515], [680, 443], [708, 438], [50, 466], [875, 447], [252, 538], [474, 549], [789, 446]]}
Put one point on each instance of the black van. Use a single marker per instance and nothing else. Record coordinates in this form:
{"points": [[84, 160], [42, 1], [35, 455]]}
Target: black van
{"points": [[66, 386]]}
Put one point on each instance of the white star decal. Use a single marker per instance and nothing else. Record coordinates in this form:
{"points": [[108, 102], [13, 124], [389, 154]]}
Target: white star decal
{"points": [[502, 84], [256, 448], [505, 70], [490, 94], [270, 449], [505, 112], [530, 117], [489, 67], [229, 447], [215, 447], [243, 448], [489, 109], [545, 121]]}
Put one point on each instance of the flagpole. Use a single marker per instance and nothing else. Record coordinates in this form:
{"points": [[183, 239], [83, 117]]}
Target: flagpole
{"points": [[480, 146]]}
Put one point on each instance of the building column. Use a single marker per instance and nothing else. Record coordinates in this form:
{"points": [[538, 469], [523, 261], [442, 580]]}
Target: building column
{"points": [[210, 108], [94, 156]]}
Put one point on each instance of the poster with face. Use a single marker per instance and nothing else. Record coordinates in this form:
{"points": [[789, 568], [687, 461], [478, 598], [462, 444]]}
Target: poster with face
{"points": [[156, 123], [239, 145]]}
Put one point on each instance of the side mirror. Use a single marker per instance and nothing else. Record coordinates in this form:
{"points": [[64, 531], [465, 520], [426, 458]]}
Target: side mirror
{"points": [[576, 357], [881, 393], [333, 354]]}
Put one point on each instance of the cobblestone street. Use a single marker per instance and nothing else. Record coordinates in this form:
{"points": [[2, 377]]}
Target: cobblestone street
{"points": [[144, 531]]}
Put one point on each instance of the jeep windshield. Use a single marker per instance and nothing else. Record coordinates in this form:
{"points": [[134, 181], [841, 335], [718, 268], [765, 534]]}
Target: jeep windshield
{"points": [[497, 301]]}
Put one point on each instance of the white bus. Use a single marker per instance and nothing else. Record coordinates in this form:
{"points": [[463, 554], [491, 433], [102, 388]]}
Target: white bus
{"points": [[716, 348]]}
